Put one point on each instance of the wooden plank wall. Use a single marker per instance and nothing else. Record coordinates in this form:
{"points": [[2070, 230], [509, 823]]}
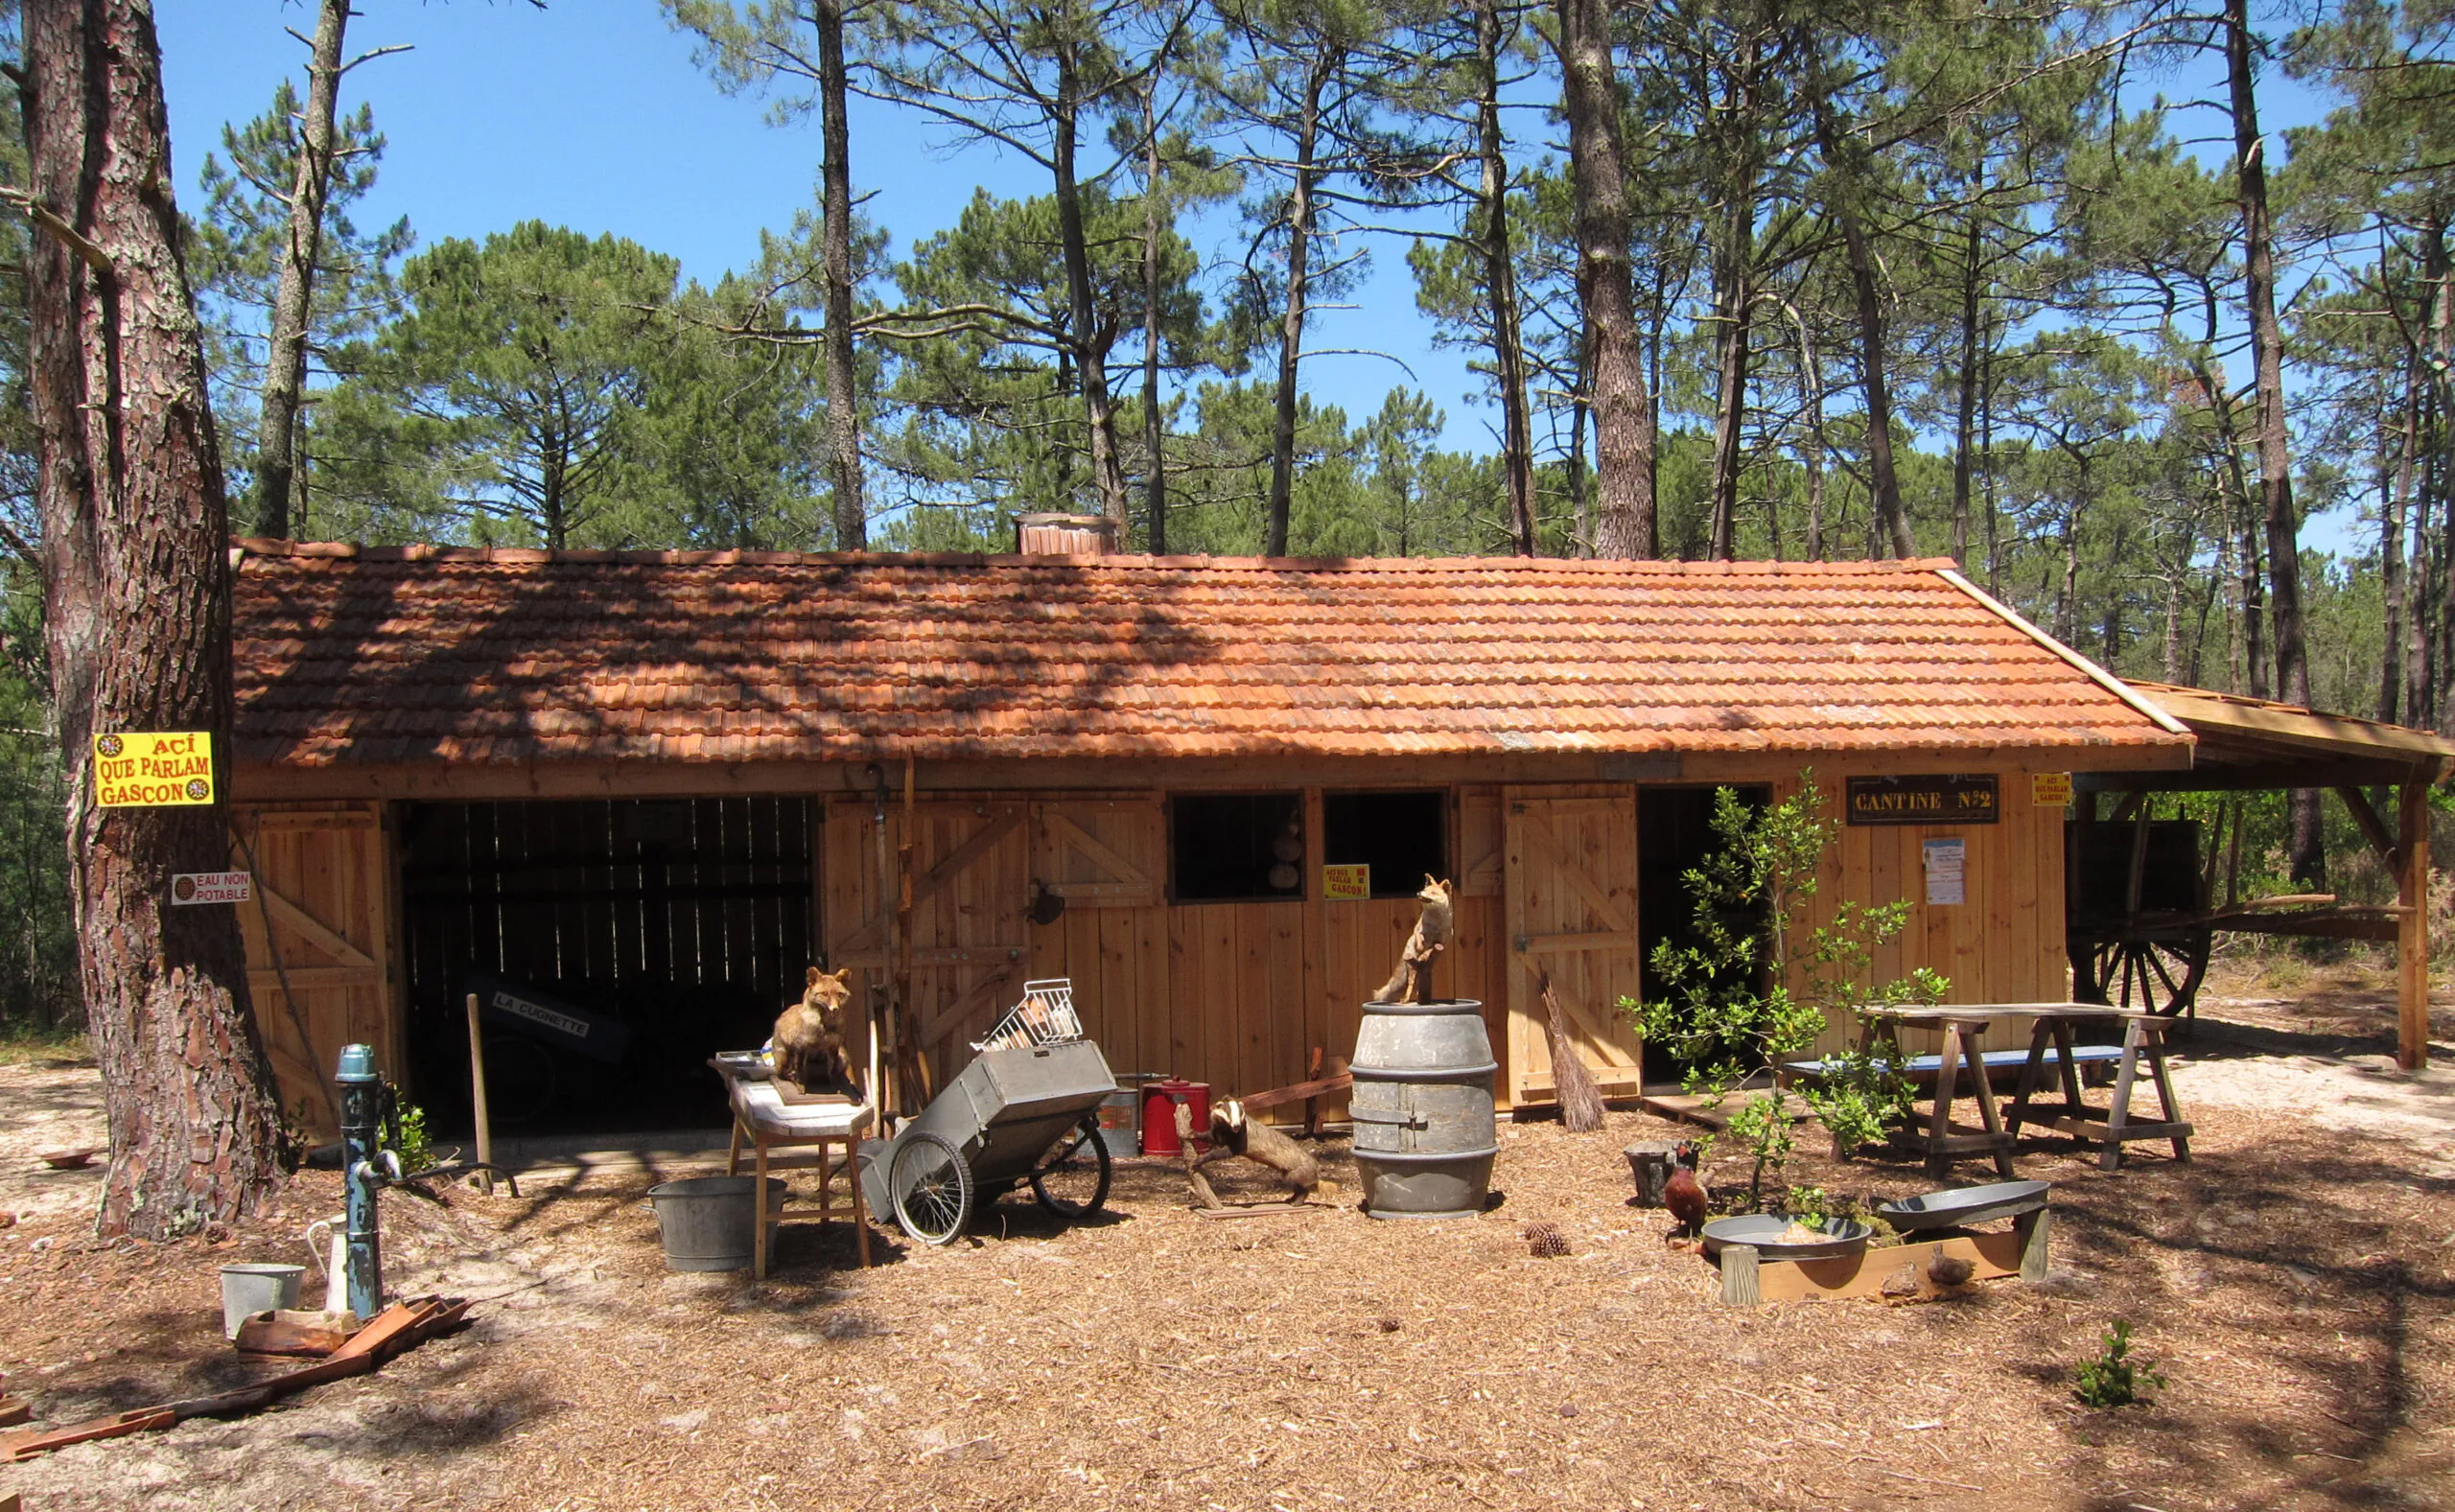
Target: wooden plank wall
{"points": [[2004, 945], [322, 953]]}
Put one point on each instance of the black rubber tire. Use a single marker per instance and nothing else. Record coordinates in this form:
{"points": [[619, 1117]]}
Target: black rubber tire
{"points": [[521, 1080], [932, 1186], [1071, 1180]]}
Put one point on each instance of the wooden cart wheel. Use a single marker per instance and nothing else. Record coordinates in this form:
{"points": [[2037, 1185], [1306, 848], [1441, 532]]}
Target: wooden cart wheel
{"points": [[932, 1187], [2161, 974], [1071, 1180]]}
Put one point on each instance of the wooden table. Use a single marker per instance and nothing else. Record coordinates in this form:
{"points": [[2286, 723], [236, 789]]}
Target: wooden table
{"points": [[2050, 1027], [2142, 1035], [1962, 1027], [765, 1121]]}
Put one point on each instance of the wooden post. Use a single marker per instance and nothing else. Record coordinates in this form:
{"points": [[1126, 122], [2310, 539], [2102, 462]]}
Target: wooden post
{"points": [[915, 1065], [2035, 1231], [477, 1099], [1738, 1276], [2412, 926]]}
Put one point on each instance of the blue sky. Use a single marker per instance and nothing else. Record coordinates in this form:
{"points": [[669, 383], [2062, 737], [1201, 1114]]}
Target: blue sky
{"points": [[591, 114]]}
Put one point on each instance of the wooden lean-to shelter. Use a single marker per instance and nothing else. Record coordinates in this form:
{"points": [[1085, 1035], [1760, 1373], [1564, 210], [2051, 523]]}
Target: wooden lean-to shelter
{"points": [[656, 786]]}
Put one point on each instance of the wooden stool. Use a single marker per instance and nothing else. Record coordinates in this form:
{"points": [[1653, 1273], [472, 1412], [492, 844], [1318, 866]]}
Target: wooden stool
{"points": [[762, 1119]]}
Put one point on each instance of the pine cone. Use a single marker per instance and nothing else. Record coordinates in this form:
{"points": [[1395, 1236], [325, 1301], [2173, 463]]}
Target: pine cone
{"points": [[1544, 1241]]}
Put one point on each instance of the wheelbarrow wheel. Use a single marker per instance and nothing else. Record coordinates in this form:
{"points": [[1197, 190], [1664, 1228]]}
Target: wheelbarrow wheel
{"points": [[1071, 1180], [932, 1187]]}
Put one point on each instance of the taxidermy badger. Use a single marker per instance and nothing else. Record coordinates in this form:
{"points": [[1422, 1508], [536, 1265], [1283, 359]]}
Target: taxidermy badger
{"points": [[809, 1034], [1411, 980], [1231, 1134]]}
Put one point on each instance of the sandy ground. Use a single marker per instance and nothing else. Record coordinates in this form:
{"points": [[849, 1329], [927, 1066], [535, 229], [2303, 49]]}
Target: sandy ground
{"points": [[2292, 1283]]}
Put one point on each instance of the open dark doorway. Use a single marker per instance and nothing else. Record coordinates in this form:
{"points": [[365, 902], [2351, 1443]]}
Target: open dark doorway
{"points": [[1675, 835], [614, 945]]}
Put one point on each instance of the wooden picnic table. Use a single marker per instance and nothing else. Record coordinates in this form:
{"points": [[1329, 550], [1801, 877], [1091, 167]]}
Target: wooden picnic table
{"points": [[2050, 1029]]}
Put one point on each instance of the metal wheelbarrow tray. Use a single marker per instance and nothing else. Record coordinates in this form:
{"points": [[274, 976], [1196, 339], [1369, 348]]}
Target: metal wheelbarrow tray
{"points": [[1021, 1113]]}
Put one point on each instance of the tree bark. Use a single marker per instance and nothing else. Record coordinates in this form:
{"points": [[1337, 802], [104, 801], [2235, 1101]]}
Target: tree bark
{"points": [[2395, 476], [1500, 279], [286, 357], [1091, 348], [2308, 856], [1291, 320], [137, 618], [835, 259], [1965, 419], [1155, 486], [1892, 516], [1624, 440], [1812, 445], [1734, 306]]}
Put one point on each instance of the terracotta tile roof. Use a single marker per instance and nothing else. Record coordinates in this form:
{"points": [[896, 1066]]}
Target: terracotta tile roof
{"points": [[419, 653]]}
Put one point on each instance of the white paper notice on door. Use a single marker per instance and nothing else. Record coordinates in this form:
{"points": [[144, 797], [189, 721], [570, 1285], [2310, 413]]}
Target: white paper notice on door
{"points": [[1946, 861]]}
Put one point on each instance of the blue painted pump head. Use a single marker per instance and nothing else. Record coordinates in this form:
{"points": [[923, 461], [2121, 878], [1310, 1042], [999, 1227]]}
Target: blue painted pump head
{"points": [[358, 1064]]}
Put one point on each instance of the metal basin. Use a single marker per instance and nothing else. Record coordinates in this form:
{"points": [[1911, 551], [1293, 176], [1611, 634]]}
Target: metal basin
{"points": [[1846, 1236], [1960, 1206]]}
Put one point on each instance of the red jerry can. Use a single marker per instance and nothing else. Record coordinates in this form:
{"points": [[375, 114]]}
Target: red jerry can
{"points": [[1160, 1100]]}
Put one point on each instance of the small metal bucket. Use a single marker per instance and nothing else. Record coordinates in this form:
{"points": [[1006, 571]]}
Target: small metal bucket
{"points": [[706, 1222], [251, 1289]]}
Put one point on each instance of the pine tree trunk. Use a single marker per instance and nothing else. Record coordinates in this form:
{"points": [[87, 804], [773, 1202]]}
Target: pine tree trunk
{"points": [[1734, 306], [286, 356], [835, 257], [2395, 502], [1500, 281], [1624, 439], [1154, 485], [1291, 320], [138, 614], [1892, 516], [2308, 857], [1812, 444], [1966, 415], [1090, 349]]}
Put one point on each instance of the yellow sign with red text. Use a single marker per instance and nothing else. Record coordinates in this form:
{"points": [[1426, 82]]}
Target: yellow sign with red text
{"points": [[153, 771]]}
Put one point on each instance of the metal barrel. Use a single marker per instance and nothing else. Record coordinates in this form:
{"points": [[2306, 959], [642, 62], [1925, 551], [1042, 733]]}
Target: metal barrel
{"points": [[1423, 1108]]}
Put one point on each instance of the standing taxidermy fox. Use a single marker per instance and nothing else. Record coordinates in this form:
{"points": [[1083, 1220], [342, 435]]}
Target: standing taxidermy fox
{"points": [[809, 1034], [1415, 964]]}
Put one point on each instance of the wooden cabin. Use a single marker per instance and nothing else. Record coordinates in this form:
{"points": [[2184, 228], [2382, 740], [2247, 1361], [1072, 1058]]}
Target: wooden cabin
{"points": [[654, 787]]}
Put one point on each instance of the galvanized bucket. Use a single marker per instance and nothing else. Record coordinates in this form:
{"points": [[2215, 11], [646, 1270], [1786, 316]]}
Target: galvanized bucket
{"points": [[1425, 1132], [706, 1222]]}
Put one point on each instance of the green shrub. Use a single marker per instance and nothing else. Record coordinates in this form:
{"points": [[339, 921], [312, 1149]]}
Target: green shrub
{"points": [[1731, 1010], [2114, 1379]]}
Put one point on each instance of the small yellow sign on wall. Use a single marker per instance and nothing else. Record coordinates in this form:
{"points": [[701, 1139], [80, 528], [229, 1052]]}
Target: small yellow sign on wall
{"points": [[1348, 883], [153, 771], [2051, 789]]}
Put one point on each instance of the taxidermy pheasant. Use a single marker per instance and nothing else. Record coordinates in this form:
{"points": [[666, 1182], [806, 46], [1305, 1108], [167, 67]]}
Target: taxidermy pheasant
{"points": [[1684, 1194]]}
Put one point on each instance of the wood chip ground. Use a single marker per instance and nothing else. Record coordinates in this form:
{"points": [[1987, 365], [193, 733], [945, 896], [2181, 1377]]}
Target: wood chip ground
{"points": [[2292, 1284]]}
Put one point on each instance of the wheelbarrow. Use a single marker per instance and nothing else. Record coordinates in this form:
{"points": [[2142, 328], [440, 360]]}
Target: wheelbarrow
{"points": [[1026, 1109]]}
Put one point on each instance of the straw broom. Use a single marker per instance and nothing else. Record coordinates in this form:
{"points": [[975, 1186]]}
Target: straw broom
{"points": [[1581, 1100]]}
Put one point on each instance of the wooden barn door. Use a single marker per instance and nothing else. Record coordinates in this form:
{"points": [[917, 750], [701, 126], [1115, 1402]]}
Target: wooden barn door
{"points": [[1571, 895], [970, 944], [320, 946]]}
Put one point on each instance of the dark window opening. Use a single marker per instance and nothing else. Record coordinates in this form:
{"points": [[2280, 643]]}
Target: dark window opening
{"points": [[1403, 837], [1238, 847]]}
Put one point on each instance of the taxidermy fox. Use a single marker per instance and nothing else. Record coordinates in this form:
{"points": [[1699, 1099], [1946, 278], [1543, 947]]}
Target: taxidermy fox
{"points": [[1411, 980], [809, 1034]]}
